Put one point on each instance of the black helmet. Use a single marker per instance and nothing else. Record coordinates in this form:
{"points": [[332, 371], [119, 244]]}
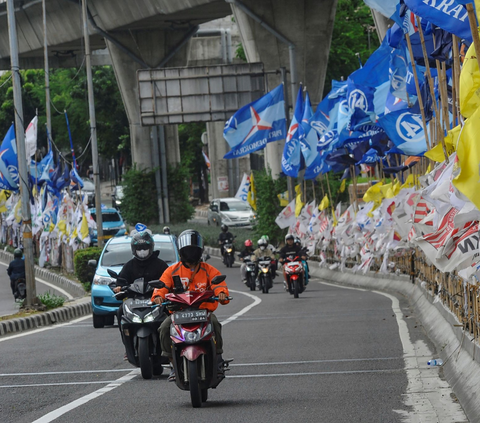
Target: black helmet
{"points": [[289, 236], [166, 230], [18, 253], [142, 242], [224, 228], [297, 240], [190, 246]]}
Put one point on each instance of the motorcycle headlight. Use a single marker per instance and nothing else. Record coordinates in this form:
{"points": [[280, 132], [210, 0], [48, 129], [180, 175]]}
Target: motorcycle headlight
{"points": [[264, 269], [132, 316], [229, 250], [192, 337], [150, 317]]}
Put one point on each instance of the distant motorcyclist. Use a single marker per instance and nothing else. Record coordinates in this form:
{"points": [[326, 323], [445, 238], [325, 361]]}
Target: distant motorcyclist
{"points": [[16, 270], [166, 230], [263, 251], [224, 238], [145, 263], [290, 249], [195, 276], [298, 243], [274, 251], [248, 251]]}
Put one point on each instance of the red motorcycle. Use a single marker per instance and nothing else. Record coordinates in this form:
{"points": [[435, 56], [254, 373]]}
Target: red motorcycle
{"points": [[193, 341], [295, 275]]}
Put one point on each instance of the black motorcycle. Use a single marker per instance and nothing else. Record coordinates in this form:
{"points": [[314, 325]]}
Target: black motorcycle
{"points": [[265, 274], [228, 253], [139, 326], [20, 287], [251, 272]]}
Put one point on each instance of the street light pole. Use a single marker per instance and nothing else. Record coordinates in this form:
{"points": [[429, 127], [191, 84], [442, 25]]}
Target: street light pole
{"points": [[93, 127], [22, 161]]}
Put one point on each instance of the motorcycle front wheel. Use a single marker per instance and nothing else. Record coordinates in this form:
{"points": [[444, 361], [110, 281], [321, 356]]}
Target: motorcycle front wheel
{"points": [[296, 289], [144, 358], [195, 391], [265, 284], [251, 283]]}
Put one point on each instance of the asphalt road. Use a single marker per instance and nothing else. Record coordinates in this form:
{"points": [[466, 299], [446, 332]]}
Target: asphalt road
{"points": [[333, 355]]}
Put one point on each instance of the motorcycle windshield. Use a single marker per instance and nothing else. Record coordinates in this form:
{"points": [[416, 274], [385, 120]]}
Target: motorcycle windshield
{"points": [[190, 298]]}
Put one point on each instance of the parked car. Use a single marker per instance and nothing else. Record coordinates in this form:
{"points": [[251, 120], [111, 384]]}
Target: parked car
{"points": [[117, 196], [112, 223], [230, 211], [115, 254], [89, 190]]}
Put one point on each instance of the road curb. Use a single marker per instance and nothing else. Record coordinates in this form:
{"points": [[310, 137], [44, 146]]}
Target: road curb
{"points": [[460, 354], [48, 318]]}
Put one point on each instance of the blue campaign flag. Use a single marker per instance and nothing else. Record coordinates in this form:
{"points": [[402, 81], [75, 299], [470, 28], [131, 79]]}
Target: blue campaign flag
{"points": [[319, 166], [256, 124], [451, 15], [322, 120], [75, 180], [9, 162], [405, 130], [370, 157], [388, 8], [291, 158], [308, 136], [46, 167], [64, 179], [399, 72]]}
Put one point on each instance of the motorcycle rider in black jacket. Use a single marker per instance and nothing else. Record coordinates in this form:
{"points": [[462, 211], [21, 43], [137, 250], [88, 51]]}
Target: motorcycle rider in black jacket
{"points": [[224, 237], [16, 270], [145, 264]]}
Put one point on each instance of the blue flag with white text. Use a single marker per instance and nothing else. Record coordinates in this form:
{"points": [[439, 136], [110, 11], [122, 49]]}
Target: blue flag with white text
{"points": [[405, 130], [308, 135], [291, 158], [256, 124], [9, 162]]}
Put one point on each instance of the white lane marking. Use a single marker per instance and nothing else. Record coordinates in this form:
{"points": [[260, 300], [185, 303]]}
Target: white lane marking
{"points": [[34, 331], [41, 385], [287, 363], [62, 291], [426, 393], [256, 302], [74, 372], [83, 400], [346, 372]]}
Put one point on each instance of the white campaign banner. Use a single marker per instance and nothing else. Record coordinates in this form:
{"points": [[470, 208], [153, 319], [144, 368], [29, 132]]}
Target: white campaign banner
{"points": [[31, 139], [287, 217], [243, 188]]}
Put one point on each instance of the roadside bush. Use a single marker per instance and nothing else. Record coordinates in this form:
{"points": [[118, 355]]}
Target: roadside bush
{"points": [[83, 272], [178, 190], [51, 300]]}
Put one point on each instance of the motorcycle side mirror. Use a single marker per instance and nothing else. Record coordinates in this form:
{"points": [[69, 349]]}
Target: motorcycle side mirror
{"points": [[92, 263], [178, 285], [112, 273], [157, 284], [218, 279]]}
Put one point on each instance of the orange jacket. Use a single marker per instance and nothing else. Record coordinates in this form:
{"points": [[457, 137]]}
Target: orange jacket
{"points": [[196, 281]]}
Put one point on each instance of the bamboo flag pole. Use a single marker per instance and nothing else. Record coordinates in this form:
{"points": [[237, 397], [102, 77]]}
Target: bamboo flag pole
{"points": [[473, 27], [354, 181], [330, 195], [417, 86], [313, 189], [456, 75]]}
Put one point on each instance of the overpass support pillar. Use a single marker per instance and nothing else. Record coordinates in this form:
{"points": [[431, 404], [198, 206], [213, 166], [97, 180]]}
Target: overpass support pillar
{"points": [[151, 47], [308, 25]]}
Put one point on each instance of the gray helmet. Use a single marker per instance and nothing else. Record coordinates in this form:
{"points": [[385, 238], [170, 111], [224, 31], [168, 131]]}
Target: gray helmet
{"points": [[262, 243], [166, 230], [142, 244], [289, 236], [18, 253], [190, 246]]}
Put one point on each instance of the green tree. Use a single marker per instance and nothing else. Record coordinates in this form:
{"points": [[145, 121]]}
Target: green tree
{"points": [[178, 189], [353, 32]]}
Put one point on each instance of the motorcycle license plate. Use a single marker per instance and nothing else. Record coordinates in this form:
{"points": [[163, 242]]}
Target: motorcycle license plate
{"points": [[192, 316]]}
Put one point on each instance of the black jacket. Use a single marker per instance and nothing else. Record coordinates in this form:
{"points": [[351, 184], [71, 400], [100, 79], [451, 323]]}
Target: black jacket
{"points": [[150, 269], [246, 252], [294, 250], [224, 236], [16, 269]]}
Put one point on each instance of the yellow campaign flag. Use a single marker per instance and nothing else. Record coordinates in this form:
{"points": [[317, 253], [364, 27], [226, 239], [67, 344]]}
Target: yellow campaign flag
{"points": [[468, 155], [324, 203], [3, 201], [283, 197], [409, 183], [17, 211], [384, 188], [84, 227], [342, 186], [436, 153], [469, 84], [298, 204], [374, 193], [252, 194], [429, 169]]}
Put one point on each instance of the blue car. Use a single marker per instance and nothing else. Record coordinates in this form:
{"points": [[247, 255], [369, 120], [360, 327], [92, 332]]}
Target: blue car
{"points": [[116, 253], [113, 224]]}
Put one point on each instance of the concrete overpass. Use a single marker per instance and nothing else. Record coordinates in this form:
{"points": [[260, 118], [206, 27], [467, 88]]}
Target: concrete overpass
{"points": [[156, 33]]}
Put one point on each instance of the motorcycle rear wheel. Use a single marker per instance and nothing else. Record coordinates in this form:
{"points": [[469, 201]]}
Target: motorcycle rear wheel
{"points": [[195, 391], [144, 358], [265, 283], [251, 283]]}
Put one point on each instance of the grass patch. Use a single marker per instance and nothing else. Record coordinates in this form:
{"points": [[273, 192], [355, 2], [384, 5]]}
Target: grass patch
{"points": [[20, 314], [51, 300]]}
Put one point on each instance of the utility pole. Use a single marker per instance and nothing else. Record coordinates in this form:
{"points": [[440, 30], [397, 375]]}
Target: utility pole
{"points": [[22, 161], [93, 128], [47, 74]]}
